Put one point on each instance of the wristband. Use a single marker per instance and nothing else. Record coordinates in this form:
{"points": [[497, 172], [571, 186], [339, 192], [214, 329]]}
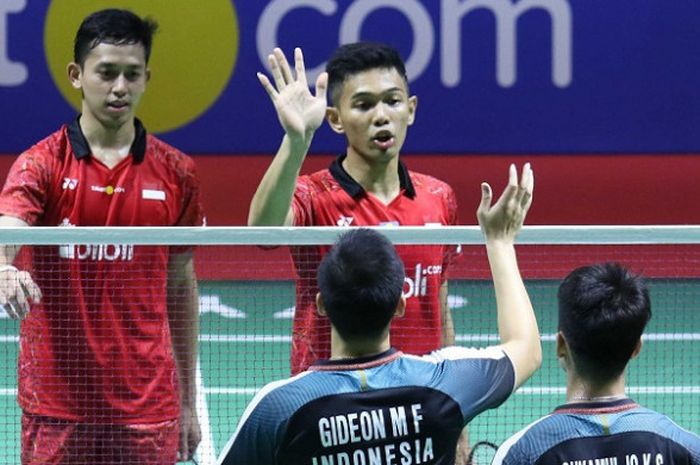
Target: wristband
{"points": [[8, 268]]}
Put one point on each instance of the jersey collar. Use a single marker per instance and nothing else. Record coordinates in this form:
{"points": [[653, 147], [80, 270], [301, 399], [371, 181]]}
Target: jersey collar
{"points": [[354, 189], [596, 408], [360, 363], [81, 148]]}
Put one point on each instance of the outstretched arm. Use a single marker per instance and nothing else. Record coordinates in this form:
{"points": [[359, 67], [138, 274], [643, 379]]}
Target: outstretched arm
{"points": [[300, 113], [500, 224]]}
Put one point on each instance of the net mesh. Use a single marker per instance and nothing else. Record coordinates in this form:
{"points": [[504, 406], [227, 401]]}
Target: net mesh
{"points": [[97, 347]]}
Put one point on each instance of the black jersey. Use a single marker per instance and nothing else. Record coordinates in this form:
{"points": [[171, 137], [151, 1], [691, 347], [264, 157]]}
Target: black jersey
{"points": [[601, 433], [388, 409]]}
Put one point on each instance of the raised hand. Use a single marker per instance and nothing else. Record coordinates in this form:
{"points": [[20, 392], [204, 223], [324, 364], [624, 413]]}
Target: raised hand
{"points": [[299, 111], [503, 220]]}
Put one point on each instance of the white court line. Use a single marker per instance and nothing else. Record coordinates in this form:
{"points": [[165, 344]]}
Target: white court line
{"points": [[548, 337], [528, 390], [206, 455]]}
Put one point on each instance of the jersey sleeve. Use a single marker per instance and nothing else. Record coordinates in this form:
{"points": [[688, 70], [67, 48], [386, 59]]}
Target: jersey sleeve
{"points": [[450, 252], [302, 205], [489, 373], [518, 449], [192, 213], [25, 192], [688, 440]]}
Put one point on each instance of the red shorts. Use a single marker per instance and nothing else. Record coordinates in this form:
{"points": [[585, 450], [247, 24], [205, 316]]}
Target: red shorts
{"points": [[49, 441]]}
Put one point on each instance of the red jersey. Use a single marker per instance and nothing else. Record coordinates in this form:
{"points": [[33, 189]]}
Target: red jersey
{"points": [[97, 348], [332, 198]]}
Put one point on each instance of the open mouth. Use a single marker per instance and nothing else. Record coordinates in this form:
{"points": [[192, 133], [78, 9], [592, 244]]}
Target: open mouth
{"points": [[384, 140]]}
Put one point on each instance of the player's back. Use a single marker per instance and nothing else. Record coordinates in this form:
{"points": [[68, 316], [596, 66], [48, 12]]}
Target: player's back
{"points": [[390, 408], [617, 432]]}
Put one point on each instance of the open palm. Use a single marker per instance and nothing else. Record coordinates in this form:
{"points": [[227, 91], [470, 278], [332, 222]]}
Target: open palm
{"points": [[299, 111]]}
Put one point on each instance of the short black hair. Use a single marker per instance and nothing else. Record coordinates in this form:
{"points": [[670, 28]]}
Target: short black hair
{"points": [[113, 26], [361, 279], [350, 59], [603, 310]]}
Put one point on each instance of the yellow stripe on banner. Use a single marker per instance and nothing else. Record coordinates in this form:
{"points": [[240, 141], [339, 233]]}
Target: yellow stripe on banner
{"points": [[363, 379], [606, 424]]}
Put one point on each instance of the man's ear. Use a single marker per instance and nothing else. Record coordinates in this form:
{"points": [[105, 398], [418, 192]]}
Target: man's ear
{"points": [[320, 308], [412, 106], [400, 308], [74, 73], [563, 353], [333, 118], [637, 348], [148, 74]]}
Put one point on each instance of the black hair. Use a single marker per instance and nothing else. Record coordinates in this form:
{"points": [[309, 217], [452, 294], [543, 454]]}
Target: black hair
{"points": [[360, 280], [603, 310], [354, 58], [113, 26]]}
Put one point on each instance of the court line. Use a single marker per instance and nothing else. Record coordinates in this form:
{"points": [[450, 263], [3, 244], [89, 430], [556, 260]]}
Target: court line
{"points": [[206, 454], [527, 390], [547, 337]]}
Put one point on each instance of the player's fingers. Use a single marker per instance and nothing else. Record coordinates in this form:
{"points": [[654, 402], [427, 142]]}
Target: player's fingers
{"points": [[485, 204], [30, 288], [267, 85], [276, 72], [284, 68], [510, 192], [322, 85], [299, 67], [527, 184]]}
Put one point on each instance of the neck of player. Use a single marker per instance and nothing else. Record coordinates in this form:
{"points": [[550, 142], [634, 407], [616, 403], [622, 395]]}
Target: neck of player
{"points": [[378, 177], [579, 389], [348, 349], [108, 144]]}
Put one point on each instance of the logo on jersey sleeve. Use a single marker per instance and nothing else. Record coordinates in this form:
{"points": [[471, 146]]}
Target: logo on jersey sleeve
{"points": [[417, 285]]}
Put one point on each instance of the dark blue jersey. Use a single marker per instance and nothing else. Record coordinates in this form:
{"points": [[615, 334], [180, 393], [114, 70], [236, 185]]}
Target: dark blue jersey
{"points": [[601, 433], [388, 409]]}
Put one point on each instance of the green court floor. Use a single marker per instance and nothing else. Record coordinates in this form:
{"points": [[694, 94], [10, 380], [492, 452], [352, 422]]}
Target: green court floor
{"points": [[244, 343]]}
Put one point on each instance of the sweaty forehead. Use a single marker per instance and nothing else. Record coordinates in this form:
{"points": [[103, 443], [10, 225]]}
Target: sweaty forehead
{"points": [[373, 81]]}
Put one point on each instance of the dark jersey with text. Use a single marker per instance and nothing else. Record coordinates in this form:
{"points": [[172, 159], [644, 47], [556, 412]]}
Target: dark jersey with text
{"points": [[332, 198], [97, 348], [388, 409], [601, 433]]}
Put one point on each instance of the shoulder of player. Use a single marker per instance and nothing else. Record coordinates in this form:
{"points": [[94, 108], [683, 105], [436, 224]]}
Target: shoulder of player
{"points": [[426, 182], [54, 146], [528, 442], [456, 353], [317, 181], [170, 156], [281, 395]]}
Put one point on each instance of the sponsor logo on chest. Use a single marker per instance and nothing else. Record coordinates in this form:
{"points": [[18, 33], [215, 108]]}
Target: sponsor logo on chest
{"points": [[109, 190]]}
